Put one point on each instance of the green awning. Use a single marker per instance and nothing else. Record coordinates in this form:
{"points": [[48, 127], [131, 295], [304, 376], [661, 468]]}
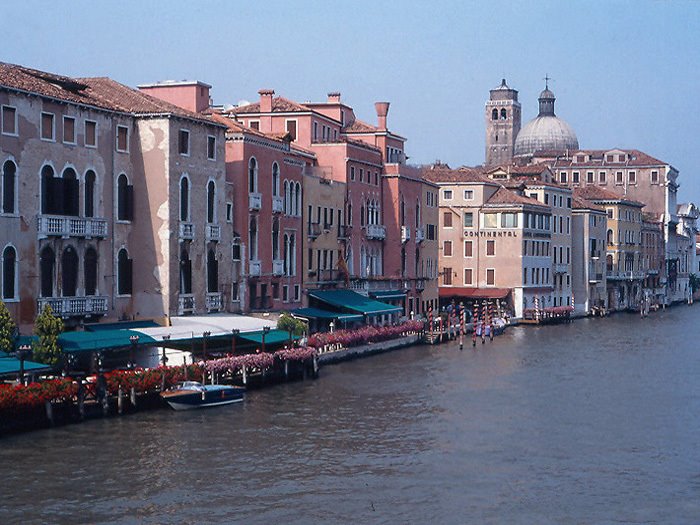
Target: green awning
{"points": [[72, 342], [353, 301], [271, 338], [318, 313], [388, 294], [10, 366]]}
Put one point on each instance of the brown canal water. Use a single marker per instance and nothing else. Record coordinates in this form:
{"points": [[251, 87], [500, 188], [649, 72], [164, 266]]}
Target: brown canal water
{"points": [[595, 422]]}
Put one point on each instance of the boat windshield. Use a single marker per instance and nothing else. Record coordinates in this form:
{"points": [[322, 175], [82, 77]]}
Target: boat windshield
{"points": [[191, 385]]}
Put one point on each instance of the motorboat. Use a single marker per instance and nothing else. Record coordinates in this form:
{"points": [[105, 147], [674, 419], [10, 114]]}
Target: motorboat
{"points": [[192, 394]]}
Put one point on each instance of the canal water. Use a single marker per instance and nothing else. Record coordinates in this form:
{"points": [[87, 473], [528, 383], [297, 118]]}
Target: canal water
{"points": [[594, 422]]}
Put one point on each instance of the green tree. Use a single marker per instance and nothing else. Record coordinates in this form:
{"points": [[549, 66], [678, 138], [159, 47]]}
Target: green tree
{"points": [[286, 322], [48, 327], [8, 329], [694, 282]]}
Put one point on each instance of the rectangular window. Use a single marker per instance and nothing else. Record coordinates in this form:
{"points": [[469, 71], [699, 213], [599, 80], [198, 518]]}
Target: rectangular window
{"points": [[447, 276], [254, 124], [632, 177], [362, 174], [9, 120], [575, 177], [184, 142], [47, 126], [467, 276], [546, 198], [229, 212], [490, 277], [601, 177], [376, 178], [590, 177], [618, 178], [352, 172], [468, 219], [510, 220], [430, 232], [315, 131], [468, 195], [211, 147], [291, 127], [490, 220], [447, 248], [447, 219], [490, 248], [468, 248], [654, 177], [564, 177], [447, 195], [285, 293], [609, 158], [91, 133], [69, 130], [122, 138], [236, 252], [296, 292]]}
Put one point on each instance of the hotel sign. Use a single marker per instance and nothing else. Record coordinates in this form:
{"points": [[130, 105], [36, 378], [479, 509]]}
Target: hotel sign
{"points": [[470, 233]]}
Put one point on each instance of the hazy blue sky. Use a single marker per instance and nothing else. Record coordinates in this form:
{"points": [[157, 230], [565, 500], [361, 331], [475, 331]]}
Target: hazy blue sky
{"points": [[625, 73]]}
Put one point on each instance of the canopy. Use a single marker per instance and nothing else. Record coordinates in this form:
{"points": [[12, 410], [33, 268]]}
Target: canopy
{"points": [[98, 327], [101, 340], [473, 293], [10, 366], [388, 294], [271, 338], [318, 313], [353, 301]]}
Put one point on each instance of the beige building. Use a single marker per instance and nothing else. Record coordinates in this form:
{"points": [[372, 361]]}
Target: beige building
{"points": [[588, 251]]}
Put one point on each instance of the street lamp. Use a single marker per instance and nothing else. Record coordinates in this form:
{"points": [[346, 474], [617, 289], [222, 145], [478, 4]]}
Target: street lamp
{"points": [[205, 336], [234, 334], [22, 353], [134, 339], [164, 358], [265, 330]]}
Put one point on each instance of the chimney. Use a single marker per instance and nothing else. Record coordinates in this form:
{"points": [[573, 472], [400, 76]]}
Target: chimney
{"points": [[382, 110], [266, 100], [334, 97]]}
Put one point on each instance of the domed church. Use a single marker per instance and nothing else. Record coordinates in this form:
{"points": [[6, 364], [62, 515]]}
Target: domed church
{"points": [[506, 141]]}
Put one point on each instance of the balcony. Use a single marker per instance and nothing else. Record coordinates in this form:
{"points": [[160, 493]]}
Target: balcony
{"points": [[376, 231], [186, 231], [405, 234], [277, 204], [255, 268], [277, 267], [75, 306], [314, 229], [329, 276], [559, 268], [344, 231], [420, 285], [58, 226], [420, 235], [254, 201], [185, 304], [213, 301], [213, 232], [619, 275]]}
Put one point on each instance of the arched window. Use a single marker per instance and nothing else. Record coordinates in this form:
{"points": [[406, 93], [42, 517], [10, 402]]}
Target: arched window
{"points": [[348, 217], [124, 199], [275, 239], [285, 249], [362, 214], [403, 212], [211, 201], [90, 271], [69, 272], [185, 273], [89, 194], [212, 272], [9, 185], [403, 261], [124, 273], [275, 179], [9, 273], [287, 199], [494, 114], [292, 255], [610, 237], [504, 114], [47, 264], [297, 200], [364, 270], [252, 175], [184, 199], [418, 213], [48, 196], [253, 238], [71, 193]]}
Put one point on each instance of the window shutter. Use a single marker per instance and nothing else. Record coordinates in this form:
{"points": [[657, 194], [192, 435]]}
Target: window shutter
{"points": [[129, 203], [71, 194]]}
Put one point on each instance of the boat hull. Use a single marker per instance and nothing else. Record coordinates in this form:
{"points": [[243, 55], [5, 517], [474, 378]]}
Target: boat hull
{"points": [[211, 396]]}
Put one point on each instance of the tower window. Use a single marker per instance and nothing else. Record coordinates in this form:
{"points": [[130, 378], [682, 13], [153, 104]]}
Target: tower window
{"points": [[494, 114], [504, 114]]}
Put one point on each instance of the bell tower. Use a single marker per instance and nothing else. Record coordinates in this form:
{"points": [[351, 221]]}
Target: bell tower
{"points": [[502, 124]]}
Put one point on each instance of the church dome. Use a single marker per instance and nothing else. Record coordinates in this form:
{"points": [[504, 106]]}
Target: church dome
{"points": [[546, 132]]}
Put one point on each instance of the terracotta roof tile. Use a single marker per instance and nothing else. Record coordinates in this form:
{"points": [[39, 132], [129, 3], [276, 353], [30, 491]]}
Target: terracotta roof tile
{"points": [[579, 203], [443, 173], [279, 105], [505, 196], [357, 126], [596, 193]]}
